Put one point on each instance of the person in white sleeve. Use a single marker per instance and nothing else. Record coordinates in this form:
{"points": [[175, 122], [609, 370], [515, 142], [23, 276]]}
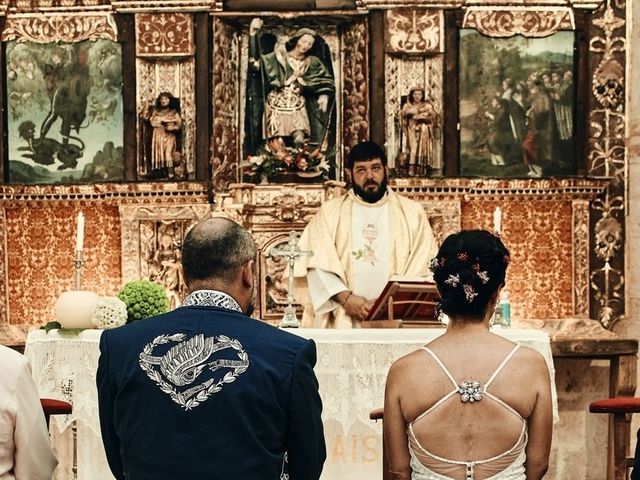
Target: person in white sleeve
{"points": [[25, 450]]}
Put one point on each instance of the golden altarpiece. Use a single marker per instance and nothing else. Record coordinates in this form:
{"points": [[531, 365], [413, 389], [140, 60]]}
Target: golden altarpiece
{"points": [[183, 70], [566, 233]]}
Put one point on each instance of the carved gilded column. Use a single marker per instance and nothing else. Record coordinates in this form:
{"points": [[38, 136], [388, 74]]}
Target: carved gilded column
{"points": [[606, 154]]}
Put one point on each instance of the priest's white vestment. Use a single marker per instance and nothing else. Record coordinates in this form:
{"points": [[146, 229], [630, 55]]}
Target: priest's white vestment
{"points": [[355, 241]]}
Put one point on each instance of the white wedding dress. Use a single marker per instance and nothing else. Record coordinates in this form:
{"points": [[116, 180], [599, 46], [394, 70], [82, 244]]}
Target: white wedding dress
{"points": [[508, 465]]}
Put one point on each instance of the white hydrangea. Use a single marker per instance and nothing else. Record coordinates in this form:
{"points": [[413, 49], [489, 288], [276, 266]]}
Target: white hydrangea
{"points": [[110, 312]]}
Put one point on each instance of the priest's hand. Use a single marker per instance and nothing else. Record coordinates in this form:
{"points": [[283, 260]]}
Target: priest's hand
{"points": [[358, 307]]}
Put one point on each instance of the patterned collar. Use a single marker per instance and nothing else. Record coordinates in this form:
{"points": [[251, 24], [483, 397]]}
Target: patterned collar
{"points": [[211, 298]]}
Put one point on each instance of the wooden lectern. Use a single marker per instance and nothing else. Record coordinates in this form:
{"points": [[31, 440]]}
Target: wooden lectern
{"points": [[405, 302]]}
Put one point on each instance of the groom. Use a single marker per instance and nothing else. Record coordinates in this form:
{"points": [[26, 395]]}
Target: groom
{"points": [[205, 391]]}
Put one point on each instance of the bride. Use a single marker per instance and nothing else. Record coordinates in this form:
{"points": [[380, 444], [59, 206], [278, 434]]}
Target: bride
{"points": [[471, 404]]}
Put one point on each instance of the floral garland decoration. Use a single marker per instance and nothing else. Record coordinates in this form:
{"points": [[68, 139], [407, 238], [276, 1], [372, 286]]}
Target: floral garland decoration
{"points": [[276, 158]]}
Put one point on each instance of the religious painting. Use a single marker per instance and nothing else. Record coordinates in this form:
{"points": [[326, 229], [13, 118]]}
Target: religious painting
{"points": [[64, 116], [290, 102], [517, 105]]}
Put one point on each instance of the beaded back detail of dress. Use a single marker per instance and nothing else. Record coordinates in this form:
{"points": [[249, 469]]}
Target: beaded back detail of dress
{"points": [[508, 465]]}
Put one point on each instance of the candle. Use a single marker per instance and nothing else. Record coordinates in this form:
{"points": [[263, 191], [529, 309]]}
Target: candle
{"points": [[80, 232], [497, 220]]}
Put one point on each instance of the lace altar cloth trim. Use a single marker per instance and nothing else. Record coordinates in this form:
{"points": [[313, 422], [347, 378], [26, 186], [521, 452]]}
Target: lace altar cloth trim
{"points": [[352, 368]]}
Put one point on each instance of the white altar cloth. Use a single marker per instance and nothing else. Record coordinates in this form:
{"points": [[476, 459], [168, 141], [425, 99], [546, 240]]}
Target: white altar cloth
{"points": [[351, 369]]}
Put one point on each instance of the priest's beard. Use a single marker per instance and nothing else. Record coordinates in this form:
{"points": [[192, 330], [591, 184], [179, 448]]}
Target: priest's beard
{"points": [[371, 196]]}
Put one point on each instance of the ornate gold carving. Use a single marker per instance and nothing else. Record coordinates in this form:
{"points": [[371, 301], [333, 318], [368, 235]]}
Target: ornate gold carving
{"points": [[164, 35], [172, 6], [40, 252], [68, 28], [402, 73], [103, 193], [608, 84], [606, 153], [539, 278], [380, 4], [4, 313], [142, 228], [444, 217], [580, 258], [355, 89], [414, 31], [178, 78], [225, 142], [287, 206], [525, 21], [273, 280], [488, 188]]}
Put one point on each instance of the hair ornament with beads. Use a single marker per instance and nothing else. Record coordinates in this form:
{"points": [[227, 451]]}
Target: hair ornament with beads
{"points": [[484, 277], [469, 292], [453, 280], [434, 264], [463, 257]]}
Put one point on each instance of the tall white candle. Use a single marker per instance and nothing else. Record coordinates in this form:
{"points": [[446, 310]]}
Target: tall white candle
{"points": [[80, 232], [497, 220]]}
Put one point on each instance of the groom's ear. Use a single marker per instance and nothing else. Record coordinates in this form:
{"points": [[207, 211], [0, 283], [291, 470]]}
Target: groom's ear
{"points": [[248, 274]]}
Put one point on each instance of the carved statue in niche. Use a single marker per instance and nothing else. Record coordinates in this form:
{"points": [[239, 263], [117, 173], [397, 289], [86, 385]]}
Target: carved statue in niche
{"points": [[162, 139], [290, 100], [420, 136], [160, 244]]}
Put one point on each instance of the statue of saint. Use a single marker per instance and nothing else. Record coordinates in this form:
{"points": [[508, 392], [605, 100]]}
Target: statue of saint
{"points": [[290, 90], [418, 128], [166, 124]]}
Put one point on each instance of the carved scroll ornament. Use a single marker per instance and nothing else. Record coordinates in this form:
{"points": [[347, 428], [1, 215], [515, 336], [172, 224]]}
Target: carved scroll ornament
{"points": [[414, 31], [60, 28], [164, 35], [529, 22]]}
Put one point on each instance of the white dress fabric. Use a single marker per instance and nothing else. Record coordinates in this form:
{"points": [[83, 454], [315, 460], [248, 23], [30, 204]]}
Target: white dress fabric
{"points": [[510, 464]]}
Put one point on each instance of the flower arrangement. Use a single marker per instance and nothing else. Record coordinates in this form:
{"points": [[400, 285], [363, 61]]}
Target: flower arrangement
{"points": [[276, 158], [143, 299], [110, 312]]}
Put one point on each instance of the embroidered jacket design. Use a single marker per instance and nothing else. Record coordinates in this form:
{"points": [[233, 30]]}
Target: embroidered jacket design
{"points": [[211, 298], [177, 369]]}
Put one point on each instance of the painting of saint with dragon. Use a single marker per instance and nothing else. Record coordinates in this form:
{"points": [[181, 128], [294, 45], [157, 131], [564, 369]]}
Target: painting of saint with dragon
{"points": [[64, 117]]}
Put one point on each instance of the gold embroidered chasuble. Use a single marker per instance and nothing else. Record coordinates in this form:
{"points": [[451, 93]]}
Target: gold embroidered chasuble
{"points": [[328, 236]]}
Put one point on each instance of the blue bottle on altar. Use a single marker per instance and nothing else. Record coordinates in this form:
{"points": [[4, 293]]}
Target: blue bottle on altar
{"points": [[505, 309]]}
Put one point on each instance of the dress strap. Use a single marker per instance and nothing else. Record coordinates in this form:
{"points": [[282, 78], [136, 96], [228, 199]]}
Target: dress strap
{"points": [[444, 369], [501, 366]]}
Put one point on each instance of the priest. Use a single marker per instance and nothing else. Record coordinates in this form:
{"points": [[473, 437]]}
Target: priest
{"points": [[358, 241]]}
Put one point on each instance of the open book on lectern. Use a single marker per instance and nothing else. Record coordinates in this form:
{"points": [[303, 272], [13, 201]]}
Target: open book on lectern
{"points": [[407, 299]]}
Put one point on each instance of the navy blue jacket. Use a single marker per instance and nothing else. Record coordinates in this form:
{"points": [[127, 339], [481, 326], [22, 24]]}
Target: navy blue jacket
{"points": [[209, 393]]}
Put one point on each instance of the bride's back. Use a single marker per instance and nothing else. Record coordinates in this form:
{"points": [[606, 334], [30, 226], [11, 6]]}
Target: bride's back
{"points": [[470, 404], [443, 426]]}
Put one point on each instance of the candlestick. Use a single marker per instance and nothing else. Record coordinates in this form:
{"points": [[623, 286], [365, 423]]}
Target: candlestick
{"points": [[80, 232], [497, 221]]}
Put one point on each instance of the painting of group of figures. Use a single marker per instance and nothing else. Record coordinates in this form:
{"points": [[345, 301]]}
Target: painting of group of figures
{"points": [[517, 105], [64, 116]]}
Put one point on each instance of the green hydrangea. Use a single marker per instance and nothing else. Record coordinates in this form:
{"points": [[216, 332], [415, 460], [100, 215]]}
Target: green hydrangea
{"points": [[143, 299]]}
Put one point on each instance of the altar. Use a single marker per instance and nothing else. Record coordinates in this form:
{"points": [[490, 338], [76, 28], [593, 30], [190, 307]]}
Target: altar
{"points": [[351, 368]]}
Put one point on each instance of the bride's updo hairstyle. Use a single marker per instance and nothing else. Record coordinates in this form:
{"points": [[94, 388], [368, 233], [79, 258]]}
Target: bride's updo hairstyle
{"points": [[470, 267]]}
